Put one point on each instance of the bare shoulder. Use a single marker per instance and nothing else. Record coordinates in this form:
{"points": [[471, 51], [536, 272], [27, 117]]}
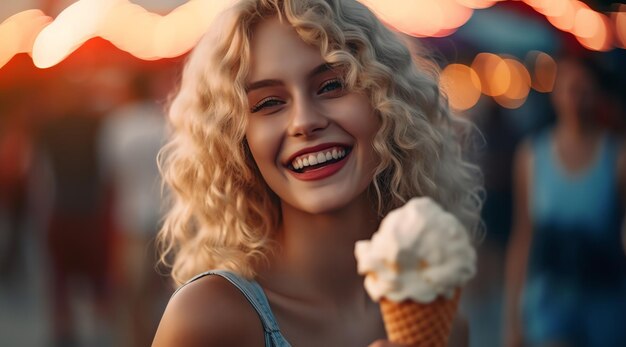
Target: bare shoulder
{"points": [[209, 312]]}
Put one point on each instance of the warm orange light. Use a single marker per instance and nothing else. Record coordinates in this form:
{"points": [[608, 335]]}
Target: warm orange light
{"points": [[142, 38], [76, 24], [477, 4], [565, 19], [602, 38], [150, 36], [555, 8], [516, 96], [538, 5], [444, 32], [619, 23], [130, 27], [494, 73], [412, 17], [179, 30], [520, 80], [18, 33], [182, 28], [462, 85], [455, 15], [509, 103], [587, 23], [544, 71]]}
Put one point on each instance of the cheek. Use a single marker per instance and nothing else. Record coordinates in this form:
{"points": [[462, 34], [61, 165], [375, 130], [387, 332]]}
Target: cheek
{"points": [[362, 119], [370, 125], [263, 141], [364, 125]]}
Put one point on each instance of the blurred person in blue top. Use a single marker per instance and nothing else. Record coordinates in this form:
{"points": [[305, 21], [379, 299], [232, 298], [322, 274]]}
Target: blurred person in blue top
{"points": [[566, 265]]}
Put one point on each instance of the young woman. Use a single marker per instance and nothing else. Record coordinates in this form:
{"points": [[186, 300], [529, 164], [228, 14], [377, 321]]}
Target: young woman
{"points": [[566, 262], [297, 127]]}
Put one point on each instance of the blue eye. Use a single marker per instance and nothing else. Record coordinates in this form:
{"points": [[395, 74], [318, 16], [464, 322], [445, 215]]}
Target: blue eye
{"points": [[267, 102], [331, 86]]}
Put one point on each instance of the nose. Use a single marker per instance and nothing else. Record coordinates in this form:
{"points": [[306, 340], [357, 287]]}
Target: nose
{"points": [[307, 118]]}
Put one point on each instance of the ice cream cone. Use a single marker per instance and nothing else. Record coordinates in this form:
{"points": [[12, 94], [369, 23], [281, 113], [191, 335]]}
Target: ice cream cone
{"points": [[418, 253], [425, 325]]}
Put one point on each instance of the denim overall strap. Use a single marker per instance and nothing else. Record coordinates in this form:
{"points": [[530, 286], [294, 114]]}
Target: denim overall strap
{"points": [[255, 295]]}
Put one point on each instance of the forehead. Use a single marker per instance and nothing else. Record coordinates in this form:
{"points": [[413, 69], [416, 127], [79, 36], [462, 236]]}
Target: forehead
{"points": [[276, 49]]}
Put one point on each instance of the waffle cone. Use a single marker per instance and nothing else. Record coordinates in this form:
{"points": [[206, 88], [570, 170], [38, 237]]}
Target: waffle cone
{"points": [[425, 325]]}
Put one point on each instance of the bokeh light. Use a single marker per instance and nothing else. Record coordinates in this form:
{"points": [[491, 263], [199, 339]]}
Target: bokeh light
{"points": [[538, 5], [477, 4], [182, 28], [517, 92], [587, 23], [78, 23], [618, 20], [602, 37], [493, 72], [455, 14], [563, 19], [543, 68], [462, 85], [128, 26], [18, 33], [412, 17], [150, 36], [557, 7]]}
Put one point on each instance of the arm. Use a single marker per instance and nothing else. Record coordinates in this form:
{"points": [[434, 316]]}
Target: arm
{"points": [[209, 312], [519, 246]]}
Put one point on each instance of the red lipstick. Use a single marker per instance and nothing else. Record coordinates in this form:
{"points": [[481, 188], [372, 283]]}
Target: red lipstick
{"points": [[315, 149], [321, 172]]}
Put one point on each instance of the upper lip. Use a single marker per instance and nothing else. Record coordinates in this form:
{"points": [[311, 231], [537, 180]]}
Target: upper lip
{"points": [[314, 149]]}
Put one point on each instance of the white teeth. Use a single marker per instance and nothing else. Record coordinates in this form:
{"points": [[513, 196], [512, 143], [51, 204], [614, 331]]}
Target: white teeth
{"points": [[318, 158]]}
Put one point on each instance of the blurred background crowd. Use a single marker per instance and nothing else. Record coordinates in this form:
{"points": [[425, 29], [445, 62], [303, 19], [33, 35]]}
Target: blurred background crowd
{"points": [[543, 80]]}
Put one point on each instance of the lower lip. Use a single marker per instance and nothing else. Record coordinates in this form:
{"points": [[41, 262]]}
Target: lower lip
{"points": [[322, 172]]}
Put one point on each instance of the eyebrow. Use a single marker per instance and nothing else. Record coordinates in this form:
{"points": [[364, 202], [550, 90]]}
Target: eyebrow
{"points": [[273, 82]]}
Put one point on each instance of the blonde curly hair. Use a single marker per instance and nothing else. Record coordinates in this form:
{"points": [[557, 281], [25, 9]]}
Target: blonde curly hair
{"points": [[222, 213]]}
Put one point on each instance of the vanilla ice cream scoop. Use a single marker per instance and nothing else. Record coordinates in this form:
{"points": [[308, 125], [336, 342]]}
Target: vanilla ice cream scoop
{"points": [[420, 252]]}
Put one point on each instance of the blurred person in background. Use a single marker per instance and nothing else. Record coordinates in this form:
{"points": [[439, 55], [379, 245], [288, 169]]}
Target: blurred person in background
{"points": [[15, 160], [129, 141], [566, 266], [77, 238]]}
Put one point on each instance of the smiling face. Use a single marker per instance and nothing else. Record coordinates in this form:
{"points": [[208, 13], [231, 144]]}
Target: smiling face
{"points": [[310, 138]]}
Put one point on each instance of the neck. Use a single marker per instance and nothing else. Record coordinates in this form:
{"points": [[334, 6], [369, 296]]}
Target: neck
{"points": [[317, 252], [573, 123], [575, 131]]}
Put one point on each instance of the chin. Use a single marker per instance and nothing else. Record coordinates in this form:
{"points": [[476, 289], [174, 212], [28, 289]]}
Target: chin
{"points": [[320, 208], [331, 202]]}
